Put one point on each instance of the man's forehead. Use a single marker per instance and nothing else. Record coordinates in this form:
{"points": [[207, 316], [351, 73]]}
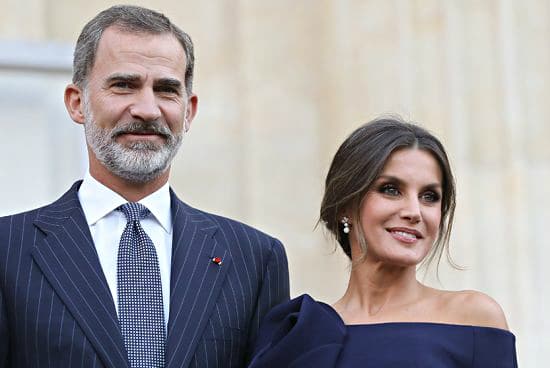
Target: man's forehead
{"points": [[116, 39], [121, 31], [121, 52]]}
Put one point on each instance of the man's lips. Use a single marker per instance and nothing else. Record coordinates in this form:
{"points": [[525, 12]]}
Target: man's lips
{"points": [[404, 234], [143, 134]]}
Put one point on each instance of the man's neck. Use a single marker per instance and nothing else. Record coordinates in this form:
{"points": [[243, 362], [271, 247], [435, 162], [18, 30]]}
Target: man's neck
{"points": [[130, 191]]}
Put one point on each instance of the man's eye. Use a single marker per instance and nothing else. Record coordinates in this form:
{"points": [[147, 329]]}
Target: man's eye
{"points": [[389, 189], [170, 90], [123, 85]]}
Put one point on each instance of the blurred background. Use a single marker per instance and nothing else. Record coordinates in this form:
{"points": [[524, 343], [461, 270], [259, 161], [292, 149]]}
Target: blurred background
{"points": [[282, 83]]}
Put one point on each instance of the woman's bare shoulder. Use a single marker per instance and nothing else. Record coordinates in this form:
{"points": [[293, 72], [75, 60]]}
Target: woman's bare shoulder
{"points": [[469, 307]]}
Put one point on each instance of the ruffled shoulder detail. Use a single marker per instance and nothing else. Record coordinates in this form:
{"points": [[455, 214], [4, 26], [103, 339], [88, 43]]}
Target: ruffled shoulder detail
{"points": [[494, 347], [299, 333]]}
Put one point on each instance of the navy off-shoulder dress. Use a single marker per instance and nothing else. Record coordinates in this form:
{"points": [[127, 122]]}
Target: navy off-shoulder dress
{"points": [[304, 333]]}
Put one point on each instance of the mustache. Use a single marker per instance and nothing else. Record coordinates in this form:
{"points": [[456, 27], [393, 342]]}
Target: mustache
{"points": [[142, 127]]}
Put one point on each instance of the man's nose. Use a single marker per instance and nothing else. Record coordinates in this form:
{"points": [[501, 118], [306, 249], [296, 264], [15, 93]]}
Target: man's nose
{"points": [[145, 106]]}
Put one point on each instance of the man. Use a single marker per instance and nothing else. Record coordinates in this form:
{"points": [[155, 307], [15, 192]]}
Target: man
{"points": [[119, 272]]}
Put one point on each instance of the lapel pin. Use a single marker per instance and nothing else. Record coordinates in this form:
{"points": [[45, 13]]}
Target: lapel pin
{"points": [[217, 260]]}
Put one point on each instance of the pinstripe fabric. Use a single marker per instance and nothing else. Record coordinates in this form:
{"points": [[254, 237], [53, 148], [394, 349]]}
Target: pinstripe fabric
{"points": [[56, 309]]}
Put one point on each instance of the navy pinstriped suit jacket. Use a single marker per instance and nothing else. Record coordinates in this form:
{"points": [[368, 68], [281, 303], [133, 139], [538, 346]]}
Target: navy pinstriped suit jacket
{"points": [[56, 309]]}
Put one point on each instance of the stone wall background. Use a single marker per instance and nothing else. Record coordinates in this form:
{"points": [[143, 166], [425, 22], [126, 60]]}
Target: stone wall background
{"points": [[280, 86]]}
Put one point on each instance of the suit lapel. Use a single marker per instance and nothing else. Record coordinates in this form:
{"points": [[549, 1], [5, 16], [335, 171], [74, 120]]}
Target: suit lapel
{"points": [[68, 259], [195, 280]]}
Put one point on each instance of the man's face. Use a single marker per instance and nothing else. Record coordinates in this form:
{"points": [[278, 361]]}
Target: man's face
{"points": [[134, 104]]}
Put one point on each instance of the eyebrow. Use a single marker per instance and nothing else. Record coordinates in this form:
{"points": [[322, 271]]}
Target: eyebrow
{"points": [[133, 78], [122, 77], [400, 182], [169, 82]]}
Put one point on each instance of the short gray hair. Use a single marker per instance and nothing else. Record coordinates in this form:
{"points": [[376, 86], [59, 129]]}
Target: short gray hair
{"points": [[127, 18]]}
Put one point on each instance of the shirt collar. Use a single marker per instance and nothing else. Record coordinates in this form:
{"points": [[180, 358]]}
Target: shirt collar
{"points": [[98, 201]]}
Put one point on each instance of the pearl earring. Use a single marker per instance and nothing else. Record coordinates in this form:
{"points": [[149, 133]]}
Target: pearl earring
{"points": [[346, 224]]}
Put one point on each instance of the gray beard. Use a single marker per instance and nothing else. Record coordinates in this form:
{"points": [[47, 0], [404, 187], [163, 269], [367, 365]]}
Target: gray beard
{"points": [[138, 162]]}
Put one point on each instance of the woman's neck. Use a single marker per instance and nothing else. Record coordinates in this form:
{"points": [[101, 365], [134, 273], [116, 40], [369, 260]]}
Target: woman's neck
{"points": [[375, 290]]}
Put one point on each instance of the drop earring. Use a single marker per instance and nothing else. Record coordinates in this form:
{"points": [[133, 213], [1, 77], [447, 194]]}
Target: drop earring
{"points": [[345, 224]]}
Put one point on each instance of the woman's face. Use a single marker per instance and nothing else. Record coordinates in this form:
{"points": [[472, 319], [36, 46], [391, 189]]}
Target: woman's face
{"points": [[400, 214]]}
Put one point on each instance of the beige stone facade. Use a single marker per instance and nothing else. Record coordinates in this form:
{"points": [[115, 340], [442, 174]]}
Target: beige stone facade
{"points": [[281, 83]]}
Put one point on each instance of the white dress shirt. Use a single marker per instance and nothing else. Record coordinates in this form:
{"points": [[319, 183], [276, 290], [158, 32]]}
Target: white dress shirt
{"points": [[106, 225]]}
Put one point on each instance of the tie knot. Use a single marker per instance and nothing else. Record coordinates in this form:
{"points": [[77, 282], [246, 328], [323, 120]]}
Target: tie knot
{"points": [[134, 211]]}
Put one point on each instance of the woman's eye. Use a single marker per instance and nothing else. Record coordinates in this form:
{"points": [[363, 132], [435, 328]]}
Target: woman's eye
{"points": [[389, 189], [430, 197]]}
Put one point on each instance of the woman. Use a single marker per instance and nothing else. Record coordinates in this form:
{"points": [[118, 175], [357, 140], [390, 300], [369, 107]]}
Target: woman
{"points": [[389, 201]]}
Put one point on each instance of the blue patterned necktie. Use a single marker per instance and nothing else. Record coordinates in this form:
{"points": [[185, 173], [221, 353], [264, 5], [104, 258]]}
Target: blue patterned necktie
{"points": [[140, 310]]}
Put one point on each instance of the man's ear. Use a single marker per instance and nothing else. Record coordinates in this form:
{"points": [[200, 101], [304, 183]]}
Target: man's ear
{"points": [[191, 111], [74, 103]]}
